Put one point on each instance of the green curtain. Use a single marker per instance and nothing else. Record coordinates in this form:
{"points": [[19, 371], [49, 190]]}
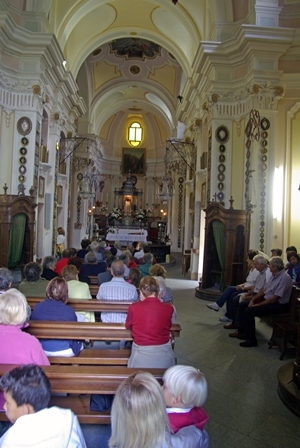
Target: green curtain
{"points": [[16, 240], [219, 236]]}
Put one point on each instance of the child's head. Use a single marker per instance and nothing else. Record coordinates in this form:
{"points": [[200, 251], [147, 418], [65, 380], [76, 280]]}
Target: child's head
{"points": [[138, 415], [60, 230], [26, 390], [184, 387]]}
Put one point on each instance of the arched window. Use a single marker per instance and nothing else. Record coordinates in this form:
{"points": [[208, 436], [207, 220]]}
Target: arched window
{"points": [[135, 134]]}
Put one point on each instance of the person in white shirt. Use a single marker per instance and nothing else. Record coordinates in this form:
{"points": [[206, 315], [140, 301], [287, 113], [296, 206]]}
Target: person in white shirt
{"points": [[27, 392], [116, 290], [232, 291]]}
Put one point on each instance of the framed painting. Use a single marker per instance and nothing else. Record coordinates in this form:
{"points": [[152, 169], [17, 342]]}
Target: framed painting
{"points": [[133, 161]]}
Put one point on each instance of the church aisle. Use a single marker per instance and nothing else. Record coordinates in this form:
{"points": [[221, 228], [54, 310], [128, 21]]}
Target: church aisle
{"points": [[243, 405]]}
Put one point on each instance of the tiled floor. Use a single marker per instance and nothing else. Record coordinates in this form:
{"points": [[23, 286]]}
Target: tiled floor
{"points": [[244, 408]]}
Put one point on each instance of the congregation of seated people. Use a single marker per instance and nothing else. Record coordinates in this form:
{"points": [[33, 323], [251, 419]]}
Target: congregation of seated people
{"points": [[176, 409]]}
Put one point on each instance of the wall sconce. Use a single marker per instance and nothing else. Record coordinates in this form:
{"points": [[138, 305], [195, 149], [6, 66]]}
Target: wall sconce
{"points": [[135, 134]]}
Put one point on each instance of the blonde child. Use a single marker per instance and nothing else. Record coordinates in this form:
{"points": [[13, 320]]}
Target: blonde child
{"points": [[185, 392], [139, 419]]}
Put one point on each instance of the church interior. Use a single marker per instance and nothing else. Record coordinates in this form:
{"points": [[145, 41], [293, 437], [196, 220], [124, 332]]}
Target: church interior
{"points": [[153, 118]]}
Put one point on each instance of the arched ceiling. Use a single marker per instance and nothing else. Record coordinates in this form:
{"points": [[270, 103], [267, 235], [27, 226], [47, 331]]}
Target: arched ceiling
{"points": [[131, 60]]}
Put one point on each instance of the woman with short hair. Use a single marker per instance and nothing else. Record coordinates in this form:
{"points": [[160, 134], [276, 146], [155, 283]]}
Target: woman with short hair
{"points": [[33, 285], [17, 346], [55, 308], [150, 322]]}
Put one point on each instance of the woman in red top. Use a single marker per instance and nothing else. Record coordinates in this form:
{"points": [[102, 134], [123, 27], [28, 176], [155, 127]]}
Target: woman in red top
{"points": [[150, 321]]}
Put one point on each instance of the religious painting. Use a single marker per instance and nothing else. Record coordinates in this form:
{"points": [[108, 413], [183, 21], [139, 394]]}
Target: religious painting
{"points": [[135, 48], [133, 161]]}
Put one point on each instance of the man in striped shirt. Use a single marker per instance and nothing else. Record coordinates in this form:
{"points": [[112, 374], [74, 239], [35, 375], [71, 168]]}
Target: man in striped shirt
{"points": [[116, 290]]}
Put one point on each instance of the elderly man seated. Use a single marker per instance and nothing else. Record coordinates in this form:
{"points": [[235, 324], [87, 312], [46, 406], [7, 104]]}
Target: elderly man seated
{"points": [[274, 299], [117, 290], [92, 267], [94, 246], [261, 265]]}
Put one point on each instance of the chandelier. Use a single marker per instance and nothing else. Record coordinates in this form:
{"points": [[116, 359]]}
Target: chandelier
{"points": [[165, 190], [86, 187]]}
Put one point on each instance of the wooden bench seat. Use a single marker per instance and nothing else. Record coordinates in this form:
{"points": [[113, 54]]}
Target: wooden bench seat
{"points": [[80, 405], [285, 326], [93, 305], [95, 357], [93, 331], [80, 382]]}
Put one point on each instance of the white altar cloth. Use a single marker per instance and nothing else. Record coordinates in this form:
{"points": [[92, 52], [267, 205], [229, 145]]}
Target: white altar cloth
{"points": [[128, 235]]}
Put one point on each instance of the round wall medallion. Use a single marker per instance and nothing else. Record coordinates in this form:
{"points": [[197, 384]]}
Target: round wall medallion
{"points": [[23, 151], [221, 196], [264, 150], [265, 124], [24, 141], [22, 160], [264, 143], [264, 158], [24, 125], [180, 180], [22, 169], [222, 148], [135, 69], [221, 158], [79, 176], [221, 177], [22, 178], [222, 134], [221, 168], [220, 185], [264, 134]]}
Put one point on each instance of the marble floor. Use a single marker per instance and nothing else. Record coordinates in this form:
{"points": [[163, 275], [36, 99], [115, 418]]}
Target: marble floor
{"points": [[244, 408]]}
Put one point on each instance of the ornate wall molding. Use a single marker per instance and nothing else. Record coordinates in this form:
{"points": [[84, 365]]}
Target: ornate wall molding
{"points": [[236, 104]]}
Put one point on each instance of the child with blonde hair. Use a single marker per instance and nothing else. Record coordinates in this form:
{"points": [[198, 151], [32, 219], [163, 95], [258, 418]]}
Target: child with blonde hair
{"points": [[185, 392]]}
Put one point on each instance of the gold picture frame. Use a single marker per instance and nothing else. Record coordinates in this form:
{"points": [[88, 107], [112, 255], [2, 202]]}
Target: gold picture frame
{"points": [[134, 161]]}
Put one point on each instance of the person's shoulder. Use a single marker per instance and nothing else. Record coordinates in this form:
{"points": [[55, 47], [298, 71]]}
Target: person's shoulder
{"points": [[189, 437]]}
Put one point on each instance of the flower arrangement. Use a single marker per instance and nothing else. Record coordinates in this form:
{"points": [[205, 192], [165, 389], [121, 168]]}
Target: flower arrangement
{"points": [[116, 213], [140, 215], [103, 209]]}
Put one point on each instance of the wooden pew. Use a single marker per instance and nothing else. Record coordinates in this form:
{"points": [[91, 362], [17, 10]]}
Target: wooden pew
{"points": [[95, 357], [87, 305], [285, 326], [94, 288], [93, 331], [81, 380]]}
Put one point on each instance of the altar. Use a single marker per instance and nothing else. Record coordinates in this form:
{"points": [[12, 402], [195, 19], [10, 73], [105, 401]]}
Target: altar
{"points": [[127, 235]]}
